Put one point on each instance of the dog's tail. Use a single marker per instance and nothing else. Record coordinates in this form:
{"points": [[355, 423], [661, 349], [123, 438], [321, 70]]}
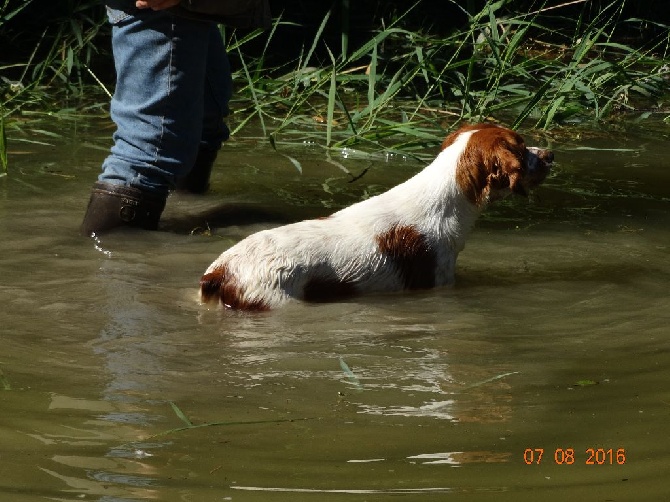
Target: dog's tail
{"points": [[221, 286], [210, 287]]}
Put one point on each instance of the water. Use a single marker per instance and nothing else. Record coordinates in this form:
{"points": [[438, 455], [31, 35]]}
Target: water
{"points": [[116, 385]]}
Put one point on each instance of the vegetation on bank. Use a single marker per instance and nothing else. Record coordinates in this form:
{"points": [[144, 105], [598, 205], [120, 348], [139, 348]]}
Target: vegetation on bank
{"points": [[399, 90]]}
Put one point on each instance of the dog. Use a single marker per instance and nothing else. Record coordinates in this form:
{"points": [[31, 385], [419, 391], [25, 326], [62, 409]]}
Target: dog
{"points": [[407, 238]]}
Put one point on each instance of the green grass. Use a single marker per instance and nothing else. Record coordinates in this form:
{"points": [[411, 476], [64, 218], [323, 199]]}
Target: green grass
{"points": [[515, 68], [58, 63], [399, 91]]}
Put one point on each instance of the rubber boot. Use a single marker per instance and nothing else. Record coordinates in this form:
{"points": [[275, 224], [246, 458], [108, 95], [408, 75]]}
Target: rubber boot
{"points": [[197, 181], [113, 206]]}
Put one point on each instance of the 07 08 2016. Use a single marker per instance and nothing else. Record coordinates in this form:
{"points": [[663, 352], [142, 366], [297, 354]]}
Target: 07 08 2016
{"points": [[568, 456]]}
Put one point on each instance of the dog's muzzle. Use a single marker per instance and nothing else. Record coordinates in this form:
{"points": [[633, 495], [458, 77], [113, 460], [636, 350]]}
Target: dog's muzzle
{"points": [[538, 161]]}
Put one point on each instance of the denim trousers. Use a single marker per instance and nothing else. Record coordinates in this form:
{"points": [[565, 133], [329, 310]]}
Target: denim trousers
{"points": [[173, 84]]}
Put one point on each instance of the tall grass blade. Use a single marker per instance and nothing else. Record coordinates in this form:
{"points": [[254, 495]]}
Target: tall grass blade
{"points": [[251, 84], [181, 414], [372, 77], [99, 82], [332, 93], [489, 380], [553, 109], [317, 37], [7, 16], [3, 146], [539, 95], [350, 374], [345, 14]]}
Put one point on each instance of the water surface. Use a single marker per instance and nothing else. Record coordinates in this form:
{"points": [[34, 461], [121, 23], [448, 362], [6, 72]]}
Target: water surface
{"points": [[555, 338]]}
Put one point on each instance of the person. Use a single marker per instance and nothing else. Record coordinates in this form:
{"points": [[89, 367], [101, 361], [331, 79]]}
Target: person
{"points": [[171, 97]]}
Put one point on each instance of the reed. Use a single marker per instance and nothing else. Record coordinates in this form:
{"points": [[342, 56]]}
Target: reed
{"points": [[58, 66], [517, 68], [400, 90]]}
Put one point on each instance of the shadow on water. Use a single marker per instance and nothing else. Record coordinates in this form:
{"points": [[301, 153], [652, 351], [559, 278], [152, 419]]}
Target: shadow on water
{"points": [[223, 215], [541, 375]]}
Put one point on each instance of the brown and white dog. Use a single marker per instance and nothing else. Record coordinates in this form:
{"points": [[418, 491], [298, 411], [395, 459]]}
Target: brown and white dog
{"points": [[406, 238]]}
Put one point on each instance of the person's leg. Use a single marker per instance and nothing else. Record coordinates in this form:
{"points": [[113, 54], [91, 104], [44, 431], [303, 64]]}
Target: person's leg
{"points": [[158, 109], [217, 93]]}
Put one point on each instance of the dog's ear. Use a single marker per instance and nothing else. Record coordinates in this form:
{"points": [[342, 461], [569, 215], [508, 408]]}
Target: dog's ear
{"points": [[508, 168], [506, 164]]}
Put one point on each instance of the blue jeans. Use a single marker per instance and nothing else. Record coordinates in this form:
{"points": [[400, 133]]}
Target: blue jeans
{"points": [[172, 91]]}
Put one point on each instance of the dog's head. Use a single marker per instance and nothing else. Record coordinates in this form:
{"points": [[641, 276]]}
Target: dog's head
{"points": [[495, 162]]}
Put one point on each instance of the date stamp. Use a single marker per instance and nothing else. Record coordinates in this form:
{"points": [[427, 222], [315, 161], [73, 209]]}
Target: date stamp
{"points": [[569, 456]]}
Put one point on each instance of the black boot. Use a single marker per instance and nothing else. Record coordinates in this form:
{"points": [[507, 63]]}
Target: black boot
{"points": [[197, 181], [114, 206]]}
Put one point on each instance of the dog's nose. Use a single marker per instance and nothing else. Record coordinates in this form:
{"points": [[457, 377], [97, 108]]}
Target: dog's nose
{"points": [[546, 156]]}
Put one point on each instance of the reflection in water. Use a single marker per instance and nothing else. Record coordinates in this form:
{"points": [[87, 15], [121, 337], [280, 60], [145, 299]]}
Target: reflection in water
{"points": [[457, 458], [437, 409], [132, 346]]}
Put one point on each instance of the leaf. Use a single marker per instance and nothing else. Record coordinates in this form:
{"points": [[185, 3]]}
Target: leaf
{"points": [[489, 380], [372, 78], [181, 414], [585, 383], [553, 109], [331, 99], [532, 103], [350, 374], [296, 163], [317, 37]]}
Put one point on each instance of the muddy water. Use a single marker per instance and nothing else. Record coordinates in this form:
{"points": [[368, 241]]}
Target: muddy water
{"points": [[543, 375]]}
